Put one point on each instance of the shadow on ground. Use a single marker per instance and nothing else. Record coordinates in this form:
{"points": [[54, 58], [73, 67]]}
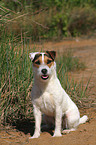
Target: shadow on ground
{"points": [[28, 126], [25, 125]]}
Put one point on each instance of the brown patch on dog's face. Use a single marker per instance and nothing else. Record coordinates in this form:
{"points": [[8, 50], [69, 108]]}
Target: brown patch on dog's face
{"points": [[48, 61], [37, 60]]}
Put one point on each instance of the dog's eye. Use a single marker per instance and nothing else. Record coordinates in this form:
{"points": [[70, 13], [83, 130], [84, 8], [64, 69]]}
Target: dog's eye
{"points": [[37, 62], [49, 61]]}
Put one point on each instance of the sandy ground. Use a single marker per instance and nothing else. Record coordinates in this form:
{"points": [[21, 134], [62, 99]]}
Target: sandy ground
{"points": [[86, 133]]}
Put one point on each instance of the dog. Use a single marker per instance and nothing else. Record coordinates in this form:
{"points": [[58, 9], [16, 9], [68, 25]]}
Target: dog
{"points": [[50, 99]]}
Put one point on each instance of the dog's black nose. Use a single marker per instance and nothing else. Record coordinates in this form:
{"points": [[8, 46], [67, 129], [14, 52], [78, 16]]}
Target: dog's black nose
{"points": [[44, 71]]}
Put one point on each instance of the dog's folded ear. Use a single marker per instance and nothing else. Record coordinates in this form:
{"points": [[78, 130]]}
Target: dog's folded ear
{"points": [[52, 54], [32, 55]]}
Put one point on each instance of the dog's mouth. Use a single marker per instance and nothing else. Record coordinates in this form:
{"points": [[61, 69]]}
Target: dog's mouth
{"points": [[44, 77]]}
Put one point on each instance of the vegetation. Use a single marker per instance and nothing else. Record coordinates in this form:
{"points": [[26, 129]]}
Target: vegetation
{"points": [[30, 20], [17, 78], [16, 75], [36, 20]]}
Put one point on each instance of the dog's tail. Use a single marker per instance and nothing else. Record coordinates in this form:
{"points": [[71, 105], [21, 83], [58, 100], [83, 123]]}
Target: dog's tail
{"points": [[83, 119]]}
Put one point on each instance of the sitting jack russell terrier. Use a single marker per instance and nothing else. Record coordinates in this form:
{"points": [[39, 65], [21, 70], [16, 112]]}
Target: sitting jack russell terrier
{"points": [[50, 99]]}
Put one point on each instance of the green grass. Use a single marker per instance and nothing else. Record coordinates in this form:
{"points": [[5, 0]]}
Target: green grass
{"points": [[67, 62], [17, 78]]}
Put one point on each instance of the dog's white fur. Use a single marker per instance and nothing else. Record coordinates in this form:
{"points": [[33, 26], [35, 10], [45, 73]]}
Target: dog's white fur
{"points": [[49, 98]]}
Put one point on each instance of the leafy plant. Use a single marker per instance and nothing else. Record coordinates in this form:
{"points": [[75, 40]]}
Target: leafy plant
{"points": [[47, 19]]}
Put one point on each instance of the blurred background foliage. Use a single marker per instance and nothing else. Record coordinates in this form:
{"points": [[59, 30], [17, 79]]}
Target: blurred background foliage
{"points": [[41, 19]]}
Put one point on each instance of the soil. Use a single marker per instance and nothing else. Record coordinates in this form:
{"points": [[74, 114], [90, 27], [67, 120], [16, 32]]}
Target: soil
{"points": [[85, 134]]}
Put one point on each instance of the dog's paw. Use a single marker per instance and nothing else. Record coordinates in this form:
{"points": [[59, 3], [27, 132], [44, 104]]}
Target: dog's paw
{"points": [[66, 131], [57, 134], [34, 136]]}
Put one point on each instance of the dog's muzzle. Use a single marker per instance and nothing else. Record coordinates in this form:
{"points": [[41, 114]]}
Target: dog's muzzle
{"points": [[44, 76]]}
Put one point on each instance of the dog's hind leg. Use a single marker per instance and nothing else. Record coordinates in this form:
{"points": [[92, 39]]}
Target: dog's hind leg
{"points": [[72, 121]]}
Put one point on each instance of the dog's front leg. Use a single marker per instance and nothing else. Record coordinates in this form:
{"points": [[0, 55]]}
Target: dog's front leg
{"points": [[37, 115], [58, 120]]}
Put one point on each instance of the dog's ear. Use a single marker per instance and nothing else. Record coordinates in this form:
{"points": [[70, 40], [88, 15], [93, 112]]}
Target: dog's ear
{"points": [[32, 55], [52, 54]]}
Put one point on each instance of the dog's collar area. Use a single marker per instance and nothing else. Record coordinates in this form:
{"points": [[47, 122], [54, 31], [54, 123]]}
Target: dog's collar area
{"points": [[44, 77]]}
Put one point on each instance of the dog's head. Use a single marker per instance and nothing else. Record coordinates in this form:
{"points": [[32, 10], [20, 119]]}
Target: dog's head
{"points": [[43, 64]]}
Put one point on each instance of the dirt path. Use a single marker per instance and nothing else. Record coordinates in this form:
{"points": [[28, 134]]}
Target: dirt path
{"points": [[86, 133]]}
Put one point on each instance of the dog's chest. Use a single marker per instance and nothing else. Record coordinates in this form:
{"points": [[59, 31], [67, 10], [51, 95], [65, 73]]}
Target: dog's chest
{"points": [[45, 103]]}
